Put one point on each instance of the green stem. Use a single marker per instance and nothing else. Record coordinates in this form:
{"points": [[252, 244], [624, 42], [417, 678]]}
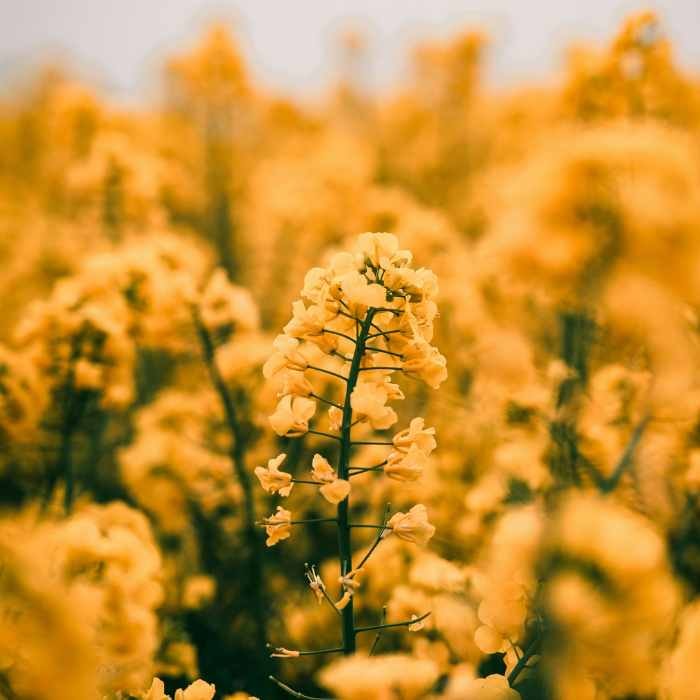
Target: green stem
{"points": [[523, 660], [344, 544], [403, 623], [292, 692]]}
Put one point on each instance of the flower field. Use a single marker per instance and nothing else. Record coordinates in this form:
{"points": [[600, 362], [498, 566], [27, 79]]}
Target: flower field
{"points": [[382, 397]]}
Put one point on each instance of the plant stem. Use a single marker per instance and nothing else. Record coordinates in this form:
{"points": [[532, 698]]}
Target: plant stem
{"points": [[522, 661], [344, 544], [403, 623], [322, 434], [339, 334], [378, 539], [292, 692], [256, 581], [328, 372], [324, 400]]}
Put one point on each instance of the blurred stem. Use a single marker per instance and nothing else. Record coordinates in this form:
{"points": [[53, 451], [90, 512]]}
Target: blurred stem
{"points": [[344, 544], [528, 653], [576, 332], [74, 406], [292, 692], [237, 454]]}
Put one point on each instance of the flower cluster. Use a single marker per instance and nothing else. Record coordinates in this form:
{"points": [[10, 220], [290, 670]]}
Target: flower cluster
{"points": [[365, 317]]}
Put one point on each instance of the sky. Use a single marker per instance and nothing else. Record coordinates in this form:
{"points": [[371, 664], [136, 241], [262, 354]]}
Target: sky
{"points": [[120, 44]]}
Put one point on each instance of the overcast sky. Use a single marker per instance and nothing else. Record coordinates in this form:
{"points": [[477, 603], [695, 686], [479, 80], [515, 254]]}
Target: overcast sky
{"points": [[120, 43]]}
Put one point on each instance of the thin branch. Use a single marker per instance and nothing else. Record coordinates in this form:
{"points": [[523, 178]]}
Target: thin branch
{"points": [[522, 661], [366, 469], [281, 653], [381, 333], [366, 525], [255, 579], [378, 636], [327, 371], [355, 471], [316, 652], [308, 521], [609, 484], [339, 334], [328, 401], [294, 693], [322, 434], [403, 623], [386, 352], [370, 442], [378, 539], [383, 367]]}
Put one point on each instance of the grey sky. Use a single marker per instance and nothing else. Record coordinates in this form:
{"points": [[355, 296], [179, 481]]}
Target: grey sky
{"points": [[120, 43]]}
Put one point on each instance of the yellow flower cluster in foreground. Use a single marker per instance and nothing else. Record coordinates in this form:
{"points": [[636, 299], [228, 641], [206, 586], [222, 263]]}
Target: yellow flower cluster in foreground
{"points": [[462, 464]]}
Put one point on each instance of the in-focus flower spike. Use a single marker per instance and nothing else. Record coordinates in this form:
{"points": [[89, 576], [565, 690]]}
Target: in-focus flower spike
{"points": [[363, 318]]}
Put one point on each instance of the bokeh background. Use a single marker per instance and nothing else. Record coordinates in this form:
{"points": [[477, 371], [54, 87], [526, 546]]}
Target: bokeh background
{"points": [[170, 172], [290, 46]]}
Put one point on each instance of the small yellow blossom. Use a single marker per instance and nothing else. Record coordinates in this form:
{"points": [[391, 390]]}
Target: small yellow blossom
{"points": [[334, 490], [272, 479], [291, 418], [416, 434], [406, 466], [412, 526], [278, 526]]}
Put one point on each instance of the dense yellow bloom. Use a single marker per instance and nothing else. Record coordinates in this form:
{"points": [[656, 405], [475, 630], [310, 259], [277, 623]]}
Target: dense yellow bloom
{"points": [[150, 258], [379, 678]]}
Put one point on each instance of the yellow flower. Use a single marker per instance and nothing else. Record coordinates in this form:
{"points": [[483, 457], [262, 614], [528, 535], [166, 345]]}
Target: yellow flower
{"points": [[296, 384], [156, 691], [199, 690], [406, 466], [291, 418], [336, 491], [272, 479], [198, 590], [412, 526], [359, 291], [380, 677], [416, 434], [321, 469], [382, 250], [368, 401], [423, 361], [286, 356], [493, 687], [224, 304], [306, 321], [278, 526], [335, 418], [88, 375], [282, 653]]}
